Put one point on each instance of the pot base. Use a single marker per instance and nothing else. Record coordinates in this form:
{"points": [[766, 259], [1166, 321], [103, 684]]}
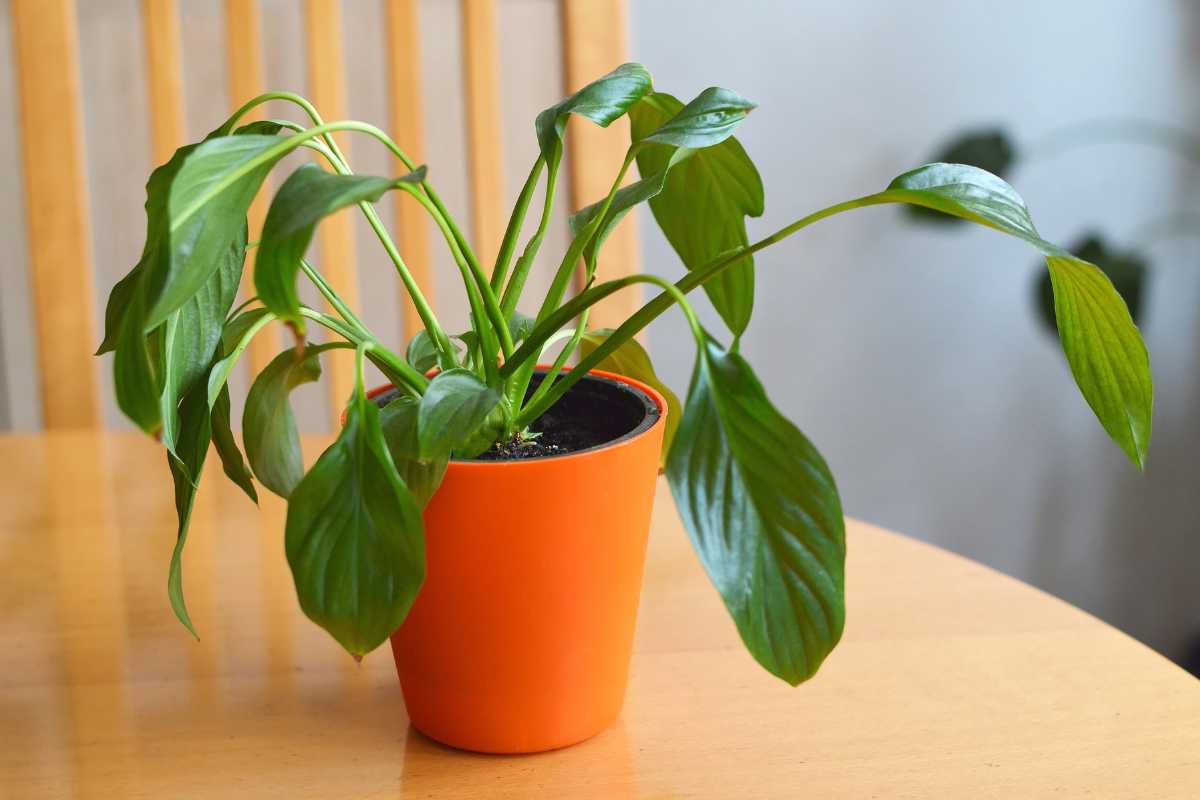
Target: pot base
{"points": [[520, 638]]}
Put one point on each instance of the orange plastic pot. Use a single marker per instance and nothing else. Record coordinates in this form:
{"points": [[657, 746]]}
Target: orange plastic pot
{"points": [[520, 639]]}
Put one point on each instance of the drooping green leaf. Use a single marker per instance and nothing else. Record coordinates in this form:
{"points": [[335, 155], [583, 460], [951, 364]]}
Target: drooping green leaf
{"points": [[455, 405], [632, 360], [137, 385], [120, 300], [709, 119], [602, 101], [422, 476], [354, 536], [1103, 347], [206, 210], [1127, 269], [268, 426], [307, 196], [227, 446], [989, 149], [192, 334], [186, 464], [702, 205], [763, 513]]}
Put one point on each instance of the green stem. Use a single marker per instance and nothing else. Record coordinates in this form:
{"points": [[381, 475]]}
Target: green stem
{"points": [[518, 383], [332, 297], [515, 221], [481, 311], [399, 371], [338, 161], [541, 402], [656, 306], [516, 284]]}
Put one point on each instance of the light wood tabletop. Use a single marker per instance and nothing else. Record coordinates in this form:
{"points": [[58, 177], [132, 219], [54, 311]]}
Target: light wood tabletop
{"points": [[952, 681]]}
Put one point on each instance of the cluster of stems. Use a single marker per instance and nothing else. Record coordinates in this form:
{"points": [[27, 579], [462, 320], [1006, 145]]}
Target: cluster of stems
{"points": [[493, 300]]}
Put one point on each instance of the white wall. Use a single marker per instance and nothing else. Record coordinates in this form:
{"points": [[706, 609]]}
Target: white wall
{"points": [[911, 356]]}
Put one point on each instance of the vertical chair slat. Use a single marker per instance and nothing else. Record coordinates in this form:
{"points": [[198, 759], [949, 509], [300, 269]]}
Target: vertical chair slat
{"points": [[407, 120], [243, 25], [56, 207], [594, 42], [327, 90], [164, 77], [485, 155]]}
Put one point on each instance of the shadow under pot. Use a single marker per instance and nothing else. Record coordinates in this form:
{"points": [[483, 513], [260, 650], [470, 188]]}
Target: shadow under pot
{"points": [[520, 638]]}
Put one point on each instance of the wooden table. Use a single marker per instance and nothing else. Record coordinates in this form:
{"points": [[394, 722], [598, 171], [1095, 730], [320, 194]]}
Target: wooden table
{"points": [[952, 681]]}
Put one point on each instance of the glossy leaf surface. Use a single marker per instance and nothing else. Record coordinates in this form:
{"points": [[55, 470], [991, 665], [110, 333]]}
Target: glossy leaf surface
{"points": [[354, 536], [702, 205], [763, 513], [989, 149], [1103, 347], [307, 196], [206, 208], [453, 408], [602, 101], [268, 426]]}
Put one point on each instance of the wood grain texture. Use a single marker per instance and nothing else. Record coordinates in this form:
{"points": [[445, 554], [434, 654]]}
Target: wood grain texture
{"points": [[481, 71], [243, 33], [164, 77], [335, 235], [408, 129], [594, 43], [952, 681], [55, 181]]}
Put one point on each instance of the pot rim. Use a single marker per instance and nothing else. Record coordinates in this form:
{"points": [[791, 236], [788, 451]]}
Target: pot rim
{"points": [[621, 441]]}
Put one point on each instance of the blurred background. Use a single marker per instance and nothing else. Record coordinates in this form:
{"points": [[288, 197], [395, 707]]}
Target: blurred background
{"points": [[912, 354]]}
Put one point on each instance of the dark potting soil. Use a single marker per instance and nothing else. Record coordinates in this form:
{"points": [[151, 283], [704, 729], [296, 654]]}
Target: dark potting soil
{"points": [[595, 411]]}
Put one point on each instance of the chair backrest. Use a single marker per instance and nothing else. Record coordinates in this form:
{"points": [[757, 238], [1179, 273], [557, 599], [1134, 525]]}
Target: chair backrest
{"points": [[59, 235]]}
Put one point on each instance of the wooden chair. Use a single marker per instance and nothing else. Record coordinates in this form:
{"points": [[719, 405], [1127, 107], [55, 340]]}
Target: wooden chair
{"points": [[62, 281]]}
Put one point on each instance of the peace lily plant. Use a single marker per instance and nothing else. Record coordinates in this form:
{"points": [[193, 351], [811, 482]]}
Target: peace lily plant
{"points": [[757, 499]]}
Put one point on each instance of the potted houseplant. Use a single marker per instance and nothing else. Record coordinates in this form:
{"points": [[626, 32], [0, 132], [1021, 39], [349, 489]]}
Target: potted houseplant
{"points": [[509, 584]]}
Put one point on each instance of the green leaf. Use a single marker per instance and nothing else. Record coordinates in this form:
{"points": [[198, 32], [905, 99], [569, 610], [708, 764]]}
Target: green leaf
{"points": [[186, 464], [354, 536], [989, 149], [206, 208], [422, 354], [632, 360], [1127, 269], [602, 101], [398, 419], [235, 338], [1103, 347], [709, 119], [227, 446], [455, 405], [520, 326], [268, 426], [137, 386], [305, 198], [120, 300], [192, 334], [702, 205], [763, 513]]}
